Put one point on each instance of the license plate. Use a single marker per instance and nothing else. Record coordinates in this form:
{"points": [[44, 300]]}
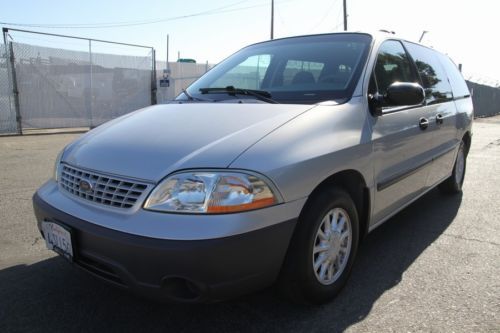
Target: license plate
{"points": [[58, 239]]}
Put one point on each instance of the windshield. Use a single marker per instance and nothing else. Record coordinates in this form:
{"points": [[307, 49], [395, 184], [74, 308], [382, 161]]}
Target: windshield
{"points": [[298, 70]]}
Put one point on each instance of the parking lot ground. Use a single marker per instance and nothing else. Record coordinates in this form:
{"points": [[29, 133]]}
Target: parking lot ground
{"points": [[434, 267]]}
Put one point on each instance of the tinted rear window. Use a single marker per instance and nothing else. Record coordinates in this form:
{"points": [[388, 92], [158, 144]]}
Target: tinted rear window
{"points": [[457, 82], [434, 78]]}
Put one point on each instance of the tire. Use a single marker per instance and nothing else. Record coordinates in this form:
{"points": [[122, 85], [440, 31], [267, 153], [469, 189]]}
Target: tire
{"points": [[453, 184], [300, 280]]}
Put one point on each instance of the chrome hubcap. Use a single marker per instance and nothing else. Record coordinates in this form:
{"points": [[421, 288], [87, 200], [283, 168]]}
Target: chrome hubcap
{"points": [[332, 246], [460, 165]]}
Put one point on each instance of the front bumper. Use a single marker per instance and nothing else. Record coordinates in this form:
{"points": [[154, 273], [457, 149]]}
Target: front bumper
{"points": [[180, 270]]}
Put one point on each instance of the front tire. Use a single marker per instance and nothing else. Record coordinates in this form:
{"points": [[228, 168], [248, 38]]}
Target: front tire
{"points": [[453, 184], [322, 250]]}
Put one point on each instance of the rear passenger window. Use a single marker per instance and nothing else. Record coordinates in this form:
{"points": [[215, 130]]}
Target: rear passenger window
{"points": [[458, 85], [434, 79], [392, 66]]}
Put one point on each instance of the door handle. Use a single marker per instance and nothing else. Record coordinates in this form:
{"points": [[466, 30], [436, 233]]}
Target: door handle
{"points": [[439, 119], [424, 123]]}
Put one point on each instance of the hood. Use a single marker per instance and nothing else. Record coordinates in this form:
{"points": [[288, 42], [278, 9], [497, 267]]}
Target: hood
{"points": [[153, 142]]}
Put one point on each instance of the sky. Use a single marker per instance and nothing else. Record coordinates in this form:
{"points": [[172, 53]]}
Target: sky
{"points": [[212, 30]]}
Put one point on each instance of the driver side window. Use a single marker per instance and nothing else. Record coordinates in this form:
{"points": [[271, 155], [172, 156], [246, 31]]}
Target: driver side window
{"points": [[392, 66]]}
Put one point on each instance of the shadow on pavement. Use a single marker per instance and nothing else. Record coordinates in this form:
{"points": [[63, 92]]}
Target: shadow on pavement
{"points": [[52, 296]]}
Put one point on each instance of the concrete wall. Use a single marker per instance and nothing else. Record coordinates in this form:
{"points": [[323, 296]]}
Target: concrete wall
{"points": [[180, 77]]}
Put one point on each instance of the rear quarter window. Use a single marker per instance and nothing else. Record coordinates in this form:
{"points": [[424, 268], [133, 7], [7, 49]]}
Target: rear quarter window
{"points": [[434, 78], [458, 85]]}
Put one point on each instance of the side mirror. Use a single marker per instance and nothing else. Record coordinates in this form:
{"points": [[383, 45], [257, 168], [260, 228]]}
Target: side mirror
{"points": [[404, 93], [398, 94]]}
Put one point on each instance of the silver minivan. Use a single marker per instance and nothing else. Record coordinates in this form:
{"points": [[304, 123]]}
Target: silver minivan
{"points": [[271, 168]]}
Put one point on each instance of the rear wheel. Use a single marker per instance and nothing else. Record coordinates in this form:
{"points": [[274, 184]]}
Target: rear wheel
{"points": [[454, 183], [322, 250]]}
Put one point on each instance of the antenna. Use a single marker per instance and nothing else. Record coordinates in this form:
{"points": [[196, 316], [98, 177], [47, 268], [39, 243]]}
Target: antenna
{"points": [[422, 36]]}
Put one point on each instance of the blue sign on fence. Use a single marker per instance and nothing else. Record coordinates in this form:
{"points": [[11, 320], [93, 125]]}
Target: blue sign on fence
{"points": [[165, 83]]}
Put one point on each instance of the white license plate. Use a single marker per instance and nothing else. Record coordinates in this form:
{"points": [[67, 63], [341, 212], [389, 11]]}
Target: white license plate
{"points": [[57, 238]]}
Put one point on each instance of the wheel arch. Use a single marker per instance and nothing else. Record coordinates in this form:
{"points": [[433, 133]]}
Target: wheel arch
{"points": [[353, 182]]}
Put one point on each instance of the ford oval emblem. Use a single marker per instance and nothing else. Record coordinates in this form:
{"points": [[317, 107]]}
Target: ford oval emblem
{"points": [[85, 186]]}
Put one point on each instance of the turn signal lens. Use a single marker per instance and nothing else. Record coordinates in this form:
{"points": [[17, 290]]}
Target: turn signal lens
{"points": [[234, 193]]}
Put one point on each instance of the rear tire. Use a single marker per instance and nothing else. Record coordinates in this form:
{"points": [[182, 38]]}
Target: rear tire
{"points": [[322, 250], [453, 184]]}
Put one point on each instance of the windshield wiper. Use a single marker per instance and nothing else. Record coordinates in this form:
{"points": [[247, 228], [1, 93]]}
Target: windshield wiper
{"points": [[259, 94], [187, 94]]}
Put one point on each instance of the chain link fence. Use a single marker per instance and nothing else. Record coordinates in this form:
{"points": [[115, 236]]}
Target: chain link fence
{"points": [[70, 82]]}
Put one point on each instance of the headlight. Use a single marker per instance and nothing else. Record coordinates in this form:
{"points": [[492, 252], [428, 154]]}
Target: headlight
{"points": [[57, 165], [210, 193]]}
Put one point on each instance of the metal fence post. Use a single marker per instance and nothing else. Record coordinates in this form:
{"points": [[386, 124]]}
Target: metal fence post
{"points": [[91, 94], [9, 54], [153, 78], [15, 91]]}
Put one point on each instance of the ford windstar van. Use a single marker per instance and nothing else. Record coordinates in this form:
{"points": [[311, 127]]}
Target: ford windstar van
{"points": [[270, 168]]}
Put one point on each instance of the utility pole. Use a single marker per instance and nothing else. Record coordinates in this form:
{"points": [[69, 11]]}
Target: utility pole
{"points": [[272, 19], [345, 15], [168, 42]]}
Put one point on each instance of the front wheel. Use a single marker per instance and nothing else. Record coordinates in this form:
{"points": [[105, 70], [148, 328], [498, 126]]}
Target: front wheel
{"points": [[323, 248], [454, 183]]}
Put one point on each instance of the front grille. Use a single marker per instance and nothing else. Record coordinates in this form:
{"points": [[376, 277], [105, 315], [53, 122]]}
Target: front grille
{"points": [[103, 189]]}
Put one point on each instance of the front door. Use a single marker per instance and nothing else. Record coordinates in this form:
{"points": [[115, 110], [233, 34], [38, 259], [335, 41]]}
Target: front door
{"points": [[401, 137]]}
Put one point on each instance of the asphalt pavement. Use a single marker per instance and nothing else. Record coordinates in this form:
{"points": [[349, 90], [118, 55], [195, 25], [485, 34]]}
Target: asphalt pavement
{"points": [[434, 267]]}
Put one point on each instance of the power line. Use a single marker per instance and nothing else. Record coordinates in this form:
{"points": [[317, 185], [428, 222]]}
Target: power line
{"points": [[282, 22], [324, 16], [213, 11], [338, 19], [113, 24]]}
